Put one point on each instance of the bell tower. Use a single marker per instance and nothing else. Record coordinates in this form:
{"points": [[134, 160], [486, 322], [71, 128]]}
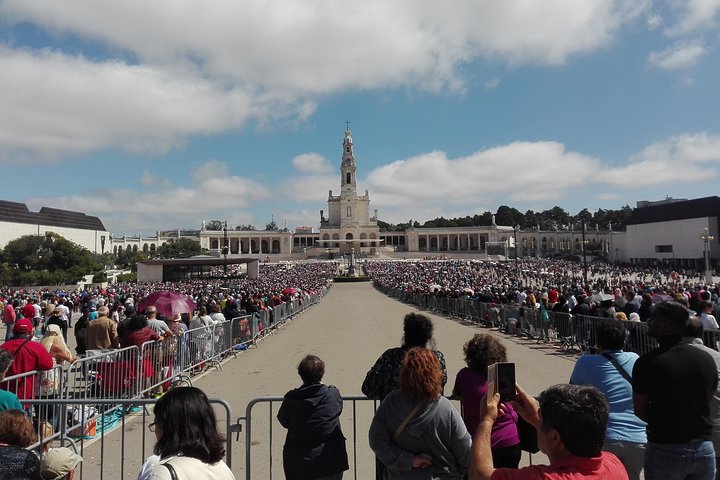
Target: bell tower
{"points": [[348, 185]]}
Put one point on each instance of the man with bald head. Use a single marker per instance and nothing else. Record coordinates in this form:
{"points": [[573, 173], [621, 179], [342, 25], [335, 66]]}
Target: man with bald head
{"points": [[101, 333]]}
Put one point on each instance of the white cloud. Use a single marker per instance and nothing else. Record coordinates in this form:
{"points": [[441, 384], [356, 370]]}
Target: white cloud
{"points": [[532, 173], [65, 105], [518, 172], [235, 62], [687, 158], [694, 15], [492, 84], [680, 55], [149, 179], [653, 21], [210, 170], [312, 163], [167, 208]]}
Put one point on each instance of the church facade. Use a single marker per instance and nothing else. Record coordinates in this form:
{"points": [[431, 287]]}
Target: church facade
{"points": [[349, 224]]}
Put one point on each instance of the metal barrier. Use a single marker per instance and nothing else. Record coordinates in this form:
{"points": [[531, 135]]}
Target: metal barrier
{"points": [[119, 442], [72, 402], [571, 332], [361, 411]]}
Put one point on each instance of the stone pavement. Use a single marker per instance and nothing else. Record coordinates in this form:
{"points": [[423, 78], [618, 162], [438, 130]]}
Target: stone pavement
{"points": [[349, 329]]}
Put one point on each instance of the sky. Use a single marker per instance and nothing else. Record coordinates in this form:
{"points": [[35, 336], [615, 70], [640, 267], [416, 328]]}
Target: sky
{"points": [[157, 115]]}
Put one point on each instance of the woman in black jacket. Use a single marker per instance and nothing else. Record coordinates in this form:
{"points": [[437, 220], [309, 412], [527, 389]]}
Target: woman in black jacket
{"points": [[315, 445]]}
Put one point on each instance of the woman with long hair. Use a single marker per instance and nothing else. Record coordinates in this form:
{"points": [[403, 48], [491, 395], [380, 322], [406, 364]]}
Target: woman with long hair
{"points": [[471, 385], [49, 381], [381, 379], [188, 441], [416, 432]]}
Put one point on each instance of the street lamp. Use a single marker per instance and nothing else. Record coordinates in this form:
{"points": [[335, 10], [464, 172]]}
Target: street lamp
{"points": [[707, 238], [225, 247], [584, 243]]}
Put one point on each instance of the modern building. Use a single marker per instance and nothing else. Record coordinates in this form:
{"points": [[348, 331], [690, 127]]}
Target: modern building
{"points": [[16, 221]]}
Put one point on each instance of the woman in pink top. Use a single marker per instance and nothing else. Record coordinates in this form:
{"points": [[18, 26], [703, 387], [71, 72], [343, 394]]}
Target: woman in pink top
{"points": [[471, 386]]}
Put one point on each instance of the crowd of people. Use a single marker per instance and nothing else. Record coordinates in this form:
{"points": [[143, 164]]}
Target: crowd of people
{"points": [[546, 286], [618, 415], [38, 323]]}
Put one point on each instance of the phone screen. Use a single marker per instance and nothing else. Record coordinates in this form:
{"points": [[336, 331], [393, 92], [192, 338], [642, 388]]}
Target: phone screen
{"points": [[502, 377]]}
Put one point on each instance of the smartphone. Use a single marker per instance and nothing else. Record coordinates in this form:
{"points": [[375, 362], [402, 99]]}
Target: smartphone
{"points": [[501, 379]]}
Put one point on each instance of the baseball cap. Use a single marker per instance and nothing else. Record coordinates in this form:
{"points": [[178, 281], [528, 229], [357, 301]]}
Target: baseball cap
{"points": [[58, 462], [23, 326]]}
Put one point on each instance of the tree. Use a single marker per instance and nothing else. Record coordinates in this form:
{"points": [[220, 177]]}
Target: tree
{"points": [[585, 215], [129, 258], [245, 228], [215, 225], [271, 226], [180, 248], [48, 259], [557, 217], [509, 216]]}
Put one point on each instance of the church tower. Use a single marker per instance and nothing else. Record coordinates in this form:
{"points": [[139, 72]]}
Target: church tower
{"points": [[349, 224], [348, 186]]}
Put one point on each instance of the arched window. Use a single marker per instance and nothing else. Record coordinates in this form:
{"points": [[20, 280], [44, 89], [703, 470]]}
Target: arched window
{"points": [[347, 178], [349, 211]]}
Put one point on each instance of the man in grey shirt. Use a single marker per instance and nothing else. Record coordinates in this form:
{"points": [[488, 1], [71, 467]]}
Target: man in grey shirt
{"points": [[158, 326]]}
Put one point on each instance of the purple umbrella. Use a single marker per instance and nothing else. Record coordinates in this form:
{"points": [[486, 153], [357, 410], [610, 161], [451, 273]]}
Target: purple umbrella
{"points": [[657, 298], [168, 303]]}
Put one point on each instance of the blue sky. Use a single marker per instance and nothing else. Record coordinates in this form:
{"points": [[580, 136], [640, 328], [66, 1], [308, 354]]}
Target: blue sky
{"points": [[159, 115]]}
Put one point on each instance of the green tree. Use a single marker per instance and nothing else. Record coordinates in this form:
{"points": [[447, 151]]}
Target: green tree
{"points": [[129, 258], [46, 260], [245, 228], [214, 225], [179, 248], [271, 226], [509, 216], [585, 215]]}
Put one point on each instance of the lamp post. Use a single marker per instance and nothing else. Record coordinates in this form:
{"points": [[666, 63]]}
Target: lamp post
{"points": [[225, 247], [584, 243], [517, 263], [707, 238]]}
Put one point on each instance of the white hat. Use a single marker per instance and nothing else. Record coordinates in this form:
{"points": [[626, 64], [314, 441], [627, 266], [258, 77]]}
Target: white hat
{"points": [[58, 462]]}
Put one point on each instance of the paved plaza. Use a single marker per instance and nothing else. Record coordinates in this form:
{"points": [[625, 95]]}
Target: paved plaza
{"points": [[349, 329]]}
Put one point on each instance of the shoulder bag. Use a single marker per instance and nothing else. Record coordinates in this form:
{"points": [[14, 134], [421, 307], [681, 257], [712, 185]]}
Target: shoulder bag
{"points": [[409, 417], [173, 472], [615, 363]]}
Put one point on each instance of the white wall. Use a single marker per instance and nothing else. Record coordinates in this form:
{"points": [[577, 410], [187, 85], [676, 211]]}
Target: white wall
{"points": [[149, 273], [90, 239], [683, 235]]}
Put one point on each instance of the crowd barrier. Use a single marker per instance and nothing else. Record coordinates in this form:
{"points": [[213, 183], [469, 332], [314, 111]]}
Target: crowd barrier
{"points": [[123, 440], [572, 332], [71, 401], [260, 414]]}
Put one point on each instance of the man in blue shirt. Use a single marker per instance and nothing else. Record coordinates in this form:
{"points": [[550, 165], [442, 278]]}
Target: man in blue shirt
{"points": [[610, 372]]}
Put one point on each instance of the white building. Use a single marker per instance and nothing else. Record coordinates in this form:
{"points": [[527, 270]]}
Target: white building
{"points": [[16, 221], [349, 224]]}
